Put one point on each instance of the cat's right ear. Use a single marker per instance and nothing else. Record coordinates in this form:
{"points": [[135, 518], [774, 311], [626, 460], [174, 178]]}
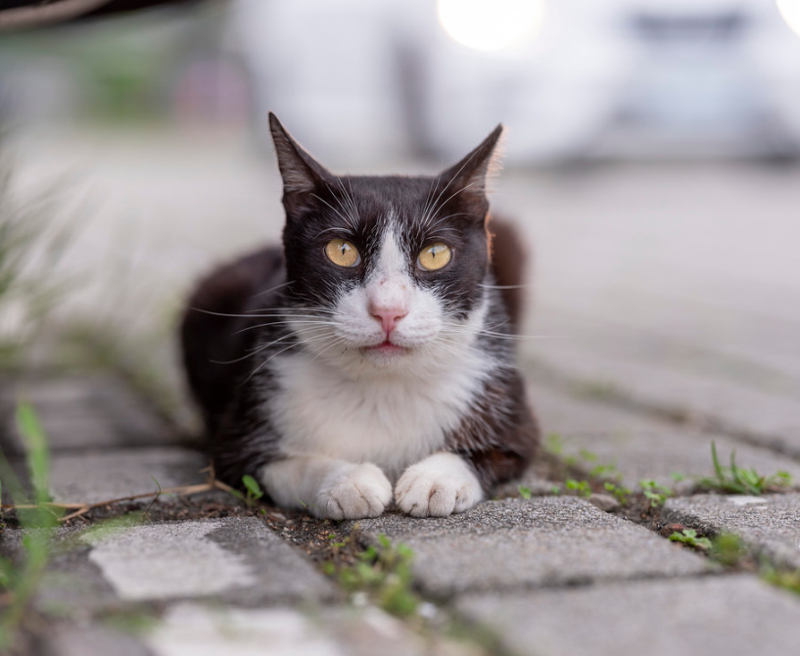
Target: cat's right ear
{"points": [[301, 173]]}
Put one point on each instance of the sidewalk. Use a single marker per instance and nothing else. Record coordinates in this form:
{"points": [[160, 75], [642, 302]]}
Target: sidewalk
{"points": [[667, 310]]}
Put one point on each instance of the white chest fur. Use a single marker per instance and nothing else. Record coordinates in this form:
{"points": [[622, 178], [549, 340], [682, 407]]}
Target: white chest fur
{"points": [[392, 421]]}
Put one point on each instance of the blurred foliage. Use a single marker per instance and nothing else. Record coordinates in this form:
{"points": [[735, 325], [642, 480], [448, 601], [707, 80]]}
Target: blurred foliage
{"points": [[31, 247]]}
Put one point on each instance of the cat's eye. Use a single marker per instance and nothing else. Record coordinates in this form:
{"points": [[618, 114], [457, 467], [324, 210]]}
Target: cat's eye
{"points": [[342, 253], [434, 257]]}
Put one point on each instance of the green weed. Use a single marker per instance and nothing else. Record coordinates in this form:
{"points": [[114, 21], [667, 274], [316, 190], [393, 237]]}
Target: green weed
{"points": [[621, 493], [738, 480], [689, 537], [254, 491], [581, 488], [21, 580], [525, 492], [383, 572], [657, 494], [728, 549], [30, 249]]}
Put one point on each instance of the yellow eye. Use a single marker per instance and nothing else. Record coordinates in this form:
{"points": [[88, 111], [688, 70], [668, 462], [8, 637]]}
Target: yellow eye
{"points": [[435, 257], [342, 253]]}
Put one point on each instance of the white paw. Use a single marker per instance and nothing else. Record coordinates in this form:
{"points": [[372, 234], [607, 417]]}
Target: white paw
{"points": [[353, 492], [438, 486]]}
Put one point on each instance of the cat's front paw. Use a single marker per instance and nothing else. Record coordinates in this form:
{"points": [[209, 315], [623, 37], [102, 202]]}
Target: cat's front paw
{"points": [[353, 492], [438, 486]]}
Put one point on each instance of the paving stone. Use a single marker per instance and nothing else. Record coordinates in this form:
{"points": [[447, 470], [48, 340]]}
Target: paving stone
{"points": [[238, 560], [642, 447], [109, 474], [82, 412], [733, 615], [189, 629], [770, 524], [85, 639], [545, 541], [770, 416]]}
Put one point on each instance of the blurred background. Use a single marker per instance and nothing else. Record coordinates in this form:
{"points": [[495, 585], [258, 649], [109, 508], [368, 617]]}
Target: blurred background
{"points": [[652, 162]]}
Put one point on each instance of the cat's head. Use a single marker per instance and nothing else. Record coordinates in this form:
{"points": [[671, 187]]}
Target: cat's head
{"points": [[385, 272]]}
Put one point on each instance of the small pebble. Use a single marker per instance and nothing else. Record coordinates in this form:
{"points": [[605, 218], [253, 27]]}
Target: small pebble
{"points": [[604, 502]]}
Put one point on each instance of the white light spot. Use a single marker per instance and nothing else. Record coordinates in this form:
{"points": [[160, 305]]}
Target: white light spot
{"points": [[790, 12], [492, 24]]}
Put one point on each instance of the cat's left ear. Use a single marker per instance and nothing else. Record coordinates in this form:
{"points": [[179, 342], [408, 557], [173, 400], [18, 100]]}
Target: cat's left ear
{"points": [[469, 177], [301, 173]]}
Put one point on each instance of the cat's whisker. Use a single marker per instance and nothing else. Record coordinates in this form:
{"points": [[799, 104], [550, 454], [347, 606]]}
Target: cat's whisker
{"points": [[272, 289], [254, 352], [485, 286], [287, 322]]}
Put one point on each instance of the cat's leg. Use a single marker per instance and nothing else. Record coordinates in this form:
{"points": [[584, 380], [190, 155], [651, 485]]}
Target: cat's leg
{"points": [[327, 487], [438, 486]]}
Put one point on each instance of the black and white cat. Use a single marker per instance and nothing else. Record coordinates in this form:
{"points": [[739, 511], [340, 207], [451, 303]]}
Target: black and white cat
{"points": [[371, 358]]}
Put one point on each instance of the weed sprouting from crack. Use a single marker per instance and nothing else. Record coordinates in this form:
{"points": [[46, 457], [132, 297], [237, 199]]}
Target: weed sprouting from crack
{"points": [[381, 573], [688, 536], [738, 480]]}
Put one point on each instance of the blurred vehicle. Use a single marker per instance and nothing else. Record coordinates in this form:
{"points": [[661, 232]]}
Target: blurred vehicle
{"points": [[572, 79]]}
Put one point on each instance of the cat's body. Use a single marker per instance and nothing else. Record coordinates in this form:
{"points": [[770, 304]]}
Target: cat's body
{"points": [[360, 365]]}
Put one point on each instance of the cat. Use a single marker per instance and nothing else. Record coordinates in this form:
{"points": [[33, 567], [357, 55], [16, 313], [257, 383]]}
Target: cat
{"points": [[372, 358]]}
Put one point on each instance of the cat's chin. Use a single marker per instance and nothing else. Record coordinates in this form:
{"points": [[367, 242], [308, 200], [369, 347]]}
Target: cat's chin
{"points": [[385, 354]]}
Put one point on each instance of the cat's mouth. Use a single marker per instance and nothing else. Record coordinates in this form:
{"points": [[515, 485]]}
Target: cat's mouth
{"points": [[386, 348]]}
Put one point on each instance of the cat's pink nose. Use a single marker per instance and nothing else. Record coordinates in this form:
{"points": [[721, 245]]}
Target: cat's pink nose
{"points": [[388, 316]]}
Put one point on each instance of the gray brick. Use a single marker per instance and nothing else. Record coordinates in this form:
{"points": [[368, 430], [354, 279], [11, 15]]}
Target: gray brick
{"points": [[770, 524], [542, 542], [732, 615], [109, 474], [189, 628], [770, 416], [238, 560], [640, 446], [82, 412]]}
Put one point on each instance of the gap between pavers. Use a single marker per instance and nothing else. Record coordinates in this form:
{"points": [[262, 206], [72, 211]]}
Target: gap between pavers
{"points": [[546, 541], [769, 524], [735, 615], [640, 447]]}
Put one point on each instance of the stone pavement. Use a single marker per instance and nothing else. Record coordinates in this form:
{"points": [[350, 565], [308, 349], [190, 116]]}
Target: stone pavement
{"points": [[549, 575]]}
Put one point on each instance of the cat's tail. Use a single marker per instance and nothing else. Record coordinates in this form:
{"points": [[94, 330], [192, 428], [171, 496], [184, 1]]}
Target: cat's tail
{"points": [[213, 343], [509, 262]]}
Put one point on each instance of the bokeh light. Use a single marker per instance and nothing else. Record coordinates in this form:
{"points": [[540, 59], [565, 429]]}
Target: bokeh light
{"points": [[790, 11], [491, 25]]}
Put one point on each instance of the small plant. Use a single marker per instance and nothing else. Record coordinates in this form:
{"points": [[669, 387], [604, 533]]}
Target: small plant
{"points": [[728, 549], [22, 580], [554, 444], [31, 247], [581, 488], [383, 572], [621, 493], [786, 579], [254, 491], [525, 492], [677, 477], [688, 536], [738, 480], [657, 494]]}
